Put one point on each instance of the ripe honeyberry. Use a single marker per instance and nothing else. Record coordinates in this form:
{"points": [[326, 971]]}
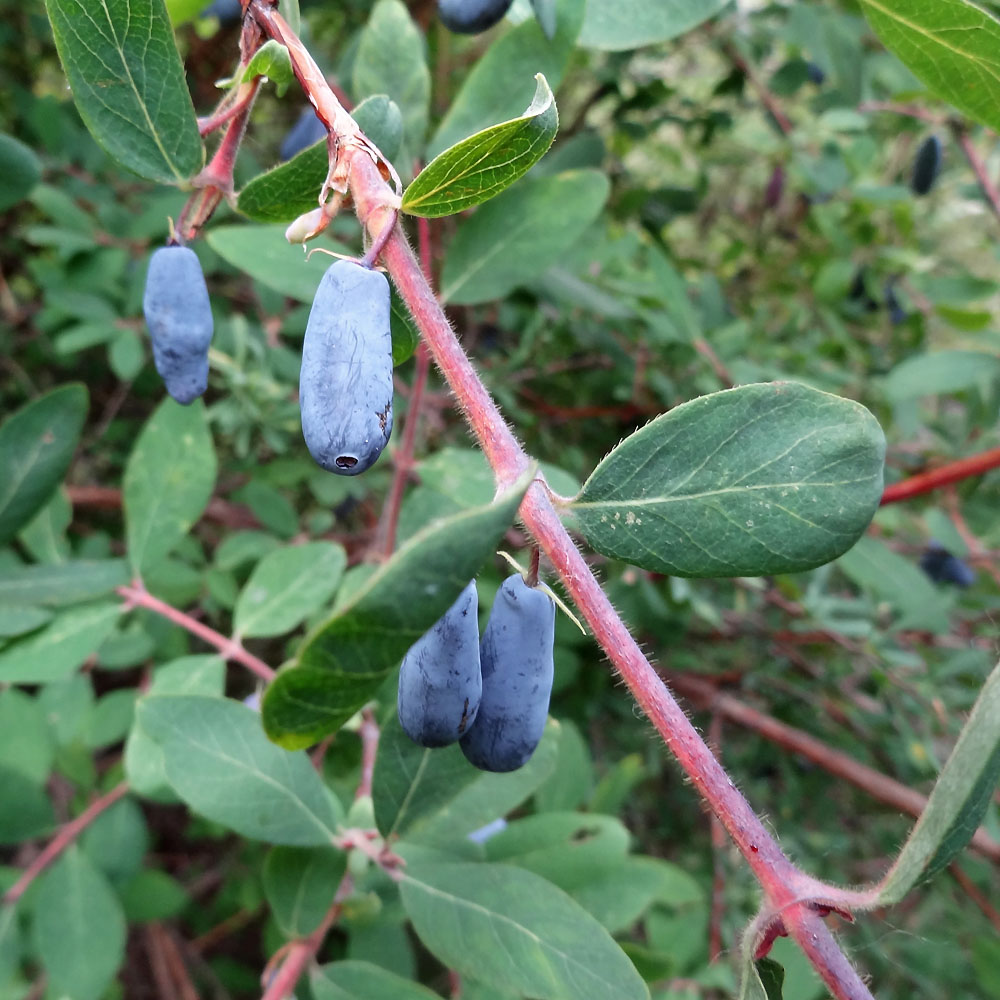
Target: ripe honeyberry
{"points": [[179, 317], [926, 165], [516, 658], [345, 383], [469, 17], [440, 682]]}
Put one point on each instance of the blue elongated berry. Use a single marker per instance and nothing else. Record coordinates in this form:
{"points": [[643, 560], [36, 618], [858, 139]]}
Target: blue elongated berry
{"points": [[440, 681], [516, 658], [926, 165], [943, 567], [469, 17], [179, 317], [345, 384], [308, 129]]}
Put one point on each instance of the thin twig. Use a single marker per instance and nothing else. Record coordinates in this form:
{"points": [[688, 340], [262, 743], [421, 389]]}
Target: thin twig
{"points": [[767, 98], [67, 834], [978, 168], [136, 595], [880, 786], [369, 734], [953, 472]]}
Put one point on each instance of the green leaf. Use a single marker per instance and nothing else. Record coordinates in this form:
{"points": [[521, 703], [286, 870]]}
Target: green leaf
{"points": [[630, 24], [20, 619], [25, 808], [891, 577], [152, 895], [941, 372], [263, 253], [202, 674], [545, 12], [958, 802], [169, 478], [300, 883], [352, 980], [572, 781], [273, 61], [567, 849], [345, 659], [26, 745], [499, 84], [79, 928], [219, 761], [437, 796], [20, 170], [480, 167], [287, 586], [949, 45], [513, 929], [58, 649], [761, 980], [65, 583], [514, 238], [36, 447], [390, 60], [292, 189], [621, 896], [129, 84], [767, 478]]}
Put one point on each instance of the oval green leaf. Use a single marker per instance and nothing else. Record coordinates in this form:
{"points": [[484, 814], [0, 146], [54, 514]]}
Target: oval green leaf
{"points": [[345, 659], [169, 478], [962, 794], [36, 446], [353, 980], [513, 929], [287, 586], [20, 170], [768, 478], [949, 45], [129, 85], [630, 24], [515, 237], [218, 760], [480, 167]]}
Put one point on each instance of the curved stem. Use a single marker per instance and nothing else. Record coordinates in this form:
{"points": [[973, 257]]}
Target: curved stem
{"points": [[953, 472], [66, 835], [137, 596]]}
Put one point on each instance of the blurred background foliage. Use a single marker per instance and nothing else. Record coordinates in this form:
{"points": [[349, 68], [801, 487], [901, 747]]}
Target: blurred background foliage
{"points": [[760, 225]]}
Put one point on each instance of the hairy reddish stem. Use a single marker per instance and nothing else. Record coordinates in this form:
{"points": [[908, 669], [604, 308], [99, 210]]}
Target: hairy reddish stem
{"points": [[953, 472], [66, 835], [136, 595], [785, 887]]}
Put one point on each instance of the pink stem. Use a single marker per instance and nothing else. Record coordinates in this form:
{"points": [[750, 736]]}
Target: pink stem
{"points": [[137, 596], [979, 169], [66, 835]]}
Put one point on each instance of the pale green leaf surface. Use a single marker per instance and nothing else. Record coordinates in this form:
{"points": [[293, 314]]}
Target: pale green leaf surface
{"points": [[480, 167], [20, 170], [390, 60], [36, 447], [59, 648], [287, 586], [630, 24], [66, 583], [513, 238], [963, 792], [768, 478], [79, 927], [952, 46], [514, 929], [941, 372], [300, 883], [499, 85], [202, 674], [169, 478], [436, 796], [218, 760], [129, 85], [354, 980]]}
